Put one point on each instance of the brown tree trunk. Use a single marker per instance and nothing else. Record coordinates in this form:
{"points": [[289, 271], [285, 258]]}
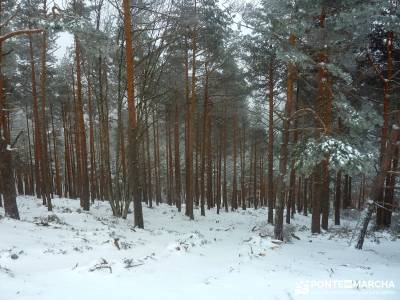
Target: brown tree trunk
{"points": [[177, 159], [349, 192], [209, 167], [6, 160], [280, 187], [156, 159], [158, 189], [243, 169], [197, 167], [316, 196], [168, 161], [56, 158], [292, 178], [261, 172], [383, 216], [67, 159], [271, 84], [346, 203], [338, 196], [324, 109], [37, 126], [92, 148], [133, 135], [234, 180], [255, 179], [31, 173], [204, 151], [190, 127], [300, 194], [84, 178], [45, 159], [149, 165], [305, 197], [170, 164], [219, 172], [224, 171], [290, 201], [8, 180], [376, 187], [143, 166]]}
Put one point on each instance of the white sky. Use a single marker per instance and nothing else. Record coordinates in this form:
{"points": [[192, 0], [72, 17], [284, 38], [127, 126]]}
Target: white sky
{"points": [[64, 40]]}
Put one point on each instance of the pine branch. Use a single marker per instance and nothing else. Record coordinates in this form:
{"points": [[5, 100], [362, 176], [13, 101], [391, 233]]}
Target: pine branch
{"points": [[376, 68], [5, 23], [18, 32]]}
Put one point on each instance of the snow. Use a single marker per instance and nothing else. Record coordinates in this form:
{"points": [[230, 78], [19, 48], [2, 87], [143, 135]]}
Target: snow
{"points": [[72, 254]]}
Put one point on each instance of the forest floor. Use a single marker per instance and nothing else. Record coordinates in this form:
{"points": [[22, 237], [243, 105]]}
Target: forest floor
{"points": [[71, 254]]}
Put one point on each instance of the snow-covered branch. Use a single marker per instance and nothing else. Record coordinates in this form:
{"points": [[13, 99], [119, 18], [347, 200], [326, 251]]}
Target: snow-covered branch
{"points": [[9, 35]]}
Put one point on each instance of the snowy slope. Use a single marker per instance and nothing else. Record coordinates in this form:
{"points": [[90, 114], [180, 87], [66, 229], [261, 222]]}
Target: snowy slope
{"points": [[75, 255]]}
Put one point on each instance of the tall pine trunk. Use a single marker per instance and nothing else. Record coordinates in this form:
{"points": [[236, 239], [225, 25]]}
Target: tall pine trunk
{"points": [[280, 187], [133, 134], [270, 197]]}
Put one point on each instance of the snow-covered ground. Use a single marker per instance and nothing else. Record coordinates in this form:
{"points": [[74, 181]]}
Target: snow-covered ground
{"points": [[78, 255]]}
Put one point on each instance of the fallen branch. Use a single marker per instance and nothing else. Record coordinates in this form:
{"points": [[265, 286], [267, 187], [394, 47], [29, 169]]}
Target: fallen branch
{"points": [[16, 139], [130, 263], [102, 265], [6, 271]]}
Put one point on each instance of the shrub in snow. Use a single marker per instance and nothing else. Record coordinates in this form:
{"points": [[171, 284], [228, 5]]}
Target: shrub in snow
{"points": [[191, 240], [257, 246], [47, 220]]}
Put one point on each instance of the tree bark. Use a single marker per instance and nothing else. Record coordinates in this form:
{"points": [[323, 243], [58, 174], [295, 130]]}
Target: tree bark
{"points": [[133, 134], [234, 180], [45, 159], [56, 157], [224, 146], [376, 187], [338, 196], [8, 180], [271, 83], [280, 187], [177, 159], [82, 152], [37, 126], [190, 127]]}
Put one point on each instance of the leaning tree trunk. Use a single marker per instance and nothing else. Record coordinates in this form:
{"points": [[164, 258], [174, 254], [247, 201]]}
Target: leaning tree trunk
{"points": [[376, 187]]}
